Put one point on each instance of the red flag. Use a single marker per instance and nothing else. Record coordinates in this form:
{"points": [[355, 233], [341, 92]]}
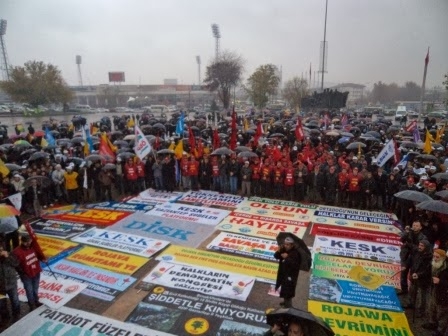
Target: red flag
{"points": [[191, 140], [258, 133], [216, 139], [276, 154], [299, 130], [396, 153], [157, 142], [427, 58], [411, 126], [233, 135], [105, 150], [200, 151], [34, 242]]}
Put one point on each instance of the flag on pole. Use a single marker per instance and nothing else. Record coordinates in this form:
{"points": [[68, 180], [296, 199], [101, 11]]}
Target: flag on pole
{"points": [[246, 125], [180, 125], [3, 169], [416, 135], [233, 135], [411, 126], [142, 146], [299, 130], [258, 133], [179, 150], [216, 139], [105, 150], [191, 141], [397, 154], [386, 153], [49, 137], [427, 148], [85, 184], [88, 143]]}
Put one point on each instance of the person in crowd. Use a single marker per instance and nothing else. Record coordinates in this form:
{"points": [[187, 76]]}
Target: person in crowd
{"points": [[438, 301], [18, 183], [34, 197], [193, 173], [149, 175], [8, 286], [169, 174], [184, 169], [392, 187], [420, 272], [157, 174], [71, 185], [205, 173], [131, 176], [316, 185], [288, 181], [246, 178], [368, 192], [140, 167], [342, 187], [93, 173], [59, 183], [119, 177], [354, 188], [331, 185], [266, 178], [300, 185], [106, 180], [288, 270], [223, 167], [233, 169], [215, 174], [29, 269], [278, 180]]}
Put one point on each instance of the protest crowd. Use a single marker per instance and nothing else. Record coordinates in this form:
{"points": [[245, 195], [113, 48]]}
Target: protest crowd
{"points": [[320, 158]]}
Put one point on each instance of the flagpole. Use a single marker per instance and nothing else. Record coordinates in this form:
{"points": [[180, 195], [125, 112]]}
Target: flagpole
{"points": [[423, 85]]}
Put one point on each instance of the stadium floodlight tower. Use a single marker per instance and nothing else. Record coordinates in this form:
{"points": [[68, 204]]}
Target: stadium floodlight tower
{"points": [[217, 36], [198, 61], [4, 61], [78, 63]]}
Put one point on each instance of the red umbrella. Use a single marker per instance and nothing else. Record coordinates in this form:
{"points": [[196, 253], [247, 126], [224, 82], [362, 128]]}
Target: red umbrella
{"points": [[39, 134]]}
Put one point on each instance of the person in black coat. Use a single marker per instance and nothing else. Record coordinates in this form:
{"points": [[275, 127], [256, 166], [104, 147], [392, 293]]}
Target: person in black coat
{"points": [[288, 271], [205, 173], [169, 174], [331, 185]]}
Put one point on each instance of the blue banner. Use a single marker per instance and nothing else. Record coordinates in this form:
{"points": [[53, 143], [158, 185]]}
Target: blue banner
{"points": [[120, 206]]}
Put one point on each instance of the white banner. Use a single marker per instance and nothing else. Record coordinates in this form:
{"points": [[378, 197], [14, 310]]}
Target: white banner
{"points": [[123, 242], [212, 198], [16, 200], [54, 293], [153, 196], [386, 153], [142, 146], [189, 213], [203, 280], [244, 245], [357, 249], [68, 321]]}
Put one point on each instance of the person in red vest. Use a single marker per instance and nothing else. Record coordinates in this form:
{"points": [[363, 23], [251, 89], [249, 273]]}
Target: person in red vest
{"points": [[354, 188], [266, 179], [184, 170], [215, 173], [140, 166], [278, 180], [256, 175], [131, 176], [342, 186], [288, 181], [193, 173]]}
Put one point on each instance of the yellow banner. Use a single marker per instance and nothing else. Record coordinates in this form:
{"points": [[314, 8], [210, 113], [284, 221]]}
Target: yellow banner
{"points": [[350, 320], [110, 260], [53, 246], [263, 270], [280, 210]]}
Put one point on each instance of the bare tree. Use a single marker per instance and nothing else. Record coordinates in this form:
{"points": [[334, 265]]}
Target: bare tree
{"points": [[294, 90], [224, 74]]}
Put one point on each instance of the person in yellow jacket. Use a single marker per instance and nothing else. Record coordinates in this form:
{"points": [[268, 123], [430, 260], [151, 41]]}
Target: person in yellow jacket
{"points": [[71, 185]]}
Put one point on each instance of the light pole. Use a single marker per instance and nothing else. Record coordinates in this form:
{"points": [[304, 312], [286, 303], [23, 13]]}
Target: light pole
{"points": [[198, 61], [217, 36], [324, 45]]}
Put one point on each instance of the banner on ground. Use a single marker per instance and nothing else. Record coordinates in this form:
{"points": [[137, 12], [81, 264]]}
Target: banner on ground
{"points": [[120, 206], [357, 249], [334, 267], [281, 202], [54, 293], [202, 280], [68, 321], [244, 245], [118, 241], [174, 231], [358, 219], [189, 213], [352, 293], [351, 233], [279, 210], [58, 228], [109, 260], [53, 246], [189, 313], [265, 271], [351, 320], [90, 216], [157, 197], [212, 198]]}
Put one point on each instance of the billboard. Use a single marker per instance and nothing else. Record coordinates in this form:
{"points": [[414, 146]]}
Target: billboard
{"points": [[116, 76]]}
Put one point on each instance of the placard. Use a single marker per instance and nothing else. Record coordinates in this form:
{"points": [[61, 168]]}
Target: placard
{"points": [[58, 228], [189, 213], [203, 280], [120, 206], [68, 321], [90, 216], [265, 271], [109, 260], [257, 248], [118, 241], [212, 198], [53, 246], [357, 249]]}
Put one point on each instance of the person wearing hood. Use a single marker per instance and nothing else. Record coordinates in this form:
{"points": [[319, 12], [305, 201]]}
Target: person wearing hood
{"points": [[421, 277], [8, 285]]}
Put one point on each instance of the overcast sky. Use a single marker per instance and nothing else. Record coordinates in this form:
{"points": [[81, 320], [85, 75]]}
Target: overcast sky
{"points": [[369, 40]]}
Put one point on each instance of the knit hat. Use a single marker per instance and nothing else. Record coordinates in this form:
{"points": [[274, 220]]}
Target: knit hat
{"points": [[441, 253], [426, 243], [289, 240]]}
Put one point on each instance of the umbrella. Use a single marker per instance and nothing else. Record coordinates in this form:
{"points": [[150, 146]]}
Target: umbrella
{"points": [[117, 133], [63, 141], [39, 133], [38, 155], [41, 180], [442, 193], [242, 149], [374, 134], [313, 325], [412, 195], [77, 140], [109, 166], [355, 145], [347, 134], [125, 149], [434, 206], [121, 143], [129, 137], [94, 157], [248, 154], [222, 151], [409, 144], [54, 132], [8, 211], [277, 135], [159, 126], [76, 160], [427, 157], [22, 143], [441, 176], [344, 139], [332, 133], [13, 166], [9, 223], [125, 155], [305, 253], [165, 151]]}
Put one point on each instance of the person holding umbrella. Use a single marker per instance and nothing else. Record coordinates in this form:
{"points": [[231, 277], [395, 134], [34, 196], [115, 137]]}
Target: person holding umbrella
{"points": [[294, 329], [288, 270]]}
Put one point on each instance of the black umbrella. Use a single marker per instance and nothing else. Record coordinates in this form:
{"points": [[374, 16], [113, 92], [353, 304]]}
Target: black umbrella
{"points": [[374, 134], [76, 160], [442, 194], [409, 144], [347, 134], [277, 135], [159, 126], [305, 253], [38, 155], [248, 154], [121, 143], [13, 166], [28, 152], [427, 157], [311, 324], [441, 176], [412, 195], [41, 180], [125, 155], [117, 133], [109, 166], [77, 140], [94, 157], [222, 151], [165, 151], [356, 145], [434, 206], [242, 149]]}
